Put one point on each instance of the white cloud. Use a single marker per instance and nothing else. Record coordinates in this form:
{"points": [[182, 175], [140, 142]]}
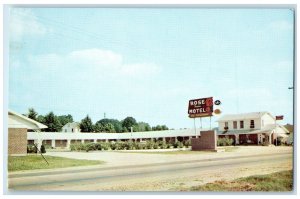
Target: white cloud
{"points": [[281, 25], [91, 62], [24, 22]]}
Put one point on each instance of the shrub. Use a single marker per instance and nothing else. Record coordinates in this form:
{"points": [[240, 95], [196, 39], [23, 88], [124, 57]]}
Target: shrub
{"points": [[224, 141], [112, 145], [177, 144], [78, 147], [43, 150], [187, 143], [163, 145], [89, 147], [141, 145], [155, 145], [98, 146], [31, 148], [105, 145], [149, 144], [131, 145]]}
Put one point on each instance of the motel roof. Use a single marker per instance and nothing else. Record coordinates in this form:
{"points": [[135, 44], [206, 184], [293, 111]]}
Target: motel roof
{"points": [[16, 120], [243, 116], [266, 129]]}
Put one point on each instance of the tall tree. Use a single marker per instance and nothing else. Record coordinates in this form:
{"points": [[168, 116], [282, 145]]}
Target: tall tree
{"points": [[143, 126], [52, 122], [32, 114], [116, 123], [128, 122], [64, 119], [41, 119], [86, 124]]}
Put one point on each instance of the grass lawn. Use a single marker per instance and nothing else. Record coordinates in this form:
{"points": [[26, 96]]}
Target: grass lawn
{"points": [[29, 162], [280, 181]]}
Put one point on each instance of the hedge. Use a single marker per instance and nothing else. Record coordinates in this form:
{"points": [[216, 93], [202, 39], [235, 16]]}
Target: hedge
{"points": [[127, 145]]}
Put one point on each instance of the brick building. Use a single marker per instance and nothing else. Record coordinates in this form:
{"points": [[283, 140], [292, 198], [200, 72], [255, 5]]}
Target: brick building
{"points": [[17, 132]]}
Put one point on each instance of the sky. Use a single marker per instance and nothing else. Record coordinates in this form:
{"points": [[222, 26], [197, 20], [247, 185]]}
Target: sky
{"points": [[149, 62]]}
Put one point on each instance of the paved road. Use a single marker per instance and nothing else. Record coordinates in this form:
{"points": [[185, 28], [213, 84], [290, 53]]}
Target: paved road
{"points": [[168, 176]]}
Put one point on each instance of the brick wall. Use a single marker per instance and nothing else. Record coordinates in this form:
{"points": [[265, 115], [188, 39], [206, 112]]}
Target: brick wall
{"points": [[17, 141], [207, 141]]}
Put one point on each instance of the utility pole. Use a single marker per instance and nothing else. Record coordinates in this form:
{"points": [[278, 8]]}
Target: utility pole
{"points": [[104, 115]]}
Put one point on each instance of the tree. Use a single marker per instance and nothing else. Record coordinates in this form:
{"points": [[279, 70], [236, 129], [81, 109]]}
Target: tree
{"points": [[164, 127], [64, 119], [41, 119], [128, 122], [52, 122], [86, 124], [32, 114], [116, 124], [143, 126], [160, 128], [109, 128]]}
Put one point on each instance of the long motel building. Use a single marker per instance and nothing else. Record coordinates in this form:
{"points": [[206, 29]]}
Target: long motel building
{"points": [[247, 128]]}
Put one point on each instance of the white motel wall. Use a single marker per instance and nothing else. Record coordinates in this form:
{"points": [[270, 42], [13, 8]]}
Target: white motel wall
{"points": [[55, 138]]}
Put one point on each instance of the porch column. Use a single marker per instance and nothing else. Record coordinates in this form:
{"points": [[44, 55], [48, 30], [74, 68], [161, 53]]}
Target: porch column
{"points": [[82, 141], [106, 140], [53, 143], [68, 144], [164, 139], [270, 137], [95, 140], [237, 141]]}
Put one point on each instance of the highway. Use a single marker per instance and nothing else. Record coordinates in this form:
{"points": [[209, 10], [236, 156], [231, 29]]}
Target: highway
{"points": [[169, 176]]}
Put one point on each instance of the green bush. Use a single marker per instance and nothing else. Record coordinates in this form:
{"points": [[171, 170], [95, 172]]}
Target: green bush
{"points": [[90, 147], [43, 150], [141, 145], [224, 141], [105, 145], [187, 143], [178, 144], [155, 145], [31, 148], [131, 145], [149, 144], [78, 147], [112, 145], [163, 144]]}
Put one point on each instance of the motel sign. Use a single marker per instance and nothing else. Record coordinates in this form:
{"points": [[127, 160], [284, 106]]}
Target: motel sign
{"points": [[200, 107]]}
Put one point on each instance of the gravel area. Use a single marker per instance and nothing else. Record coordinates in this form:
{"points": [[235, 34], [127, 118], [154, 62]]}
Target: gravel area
{"points": [[115, 158]]}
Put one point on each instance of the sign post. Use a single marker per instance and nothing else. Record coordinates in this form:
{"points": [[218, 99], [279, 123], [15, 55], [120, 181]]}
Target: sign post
{"points": [[279, 117]]}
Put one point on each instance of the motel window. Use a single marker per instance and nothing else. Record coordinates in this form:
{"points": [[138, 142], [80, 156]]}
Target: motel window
{"points": [[235, 124], [252, 124], [241, 124], [226, 124]]}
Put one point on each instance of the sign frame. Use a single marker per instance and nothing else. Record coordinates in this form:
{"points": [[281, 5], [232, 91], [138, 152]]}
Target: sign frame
{"points": [[202, 107]]}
